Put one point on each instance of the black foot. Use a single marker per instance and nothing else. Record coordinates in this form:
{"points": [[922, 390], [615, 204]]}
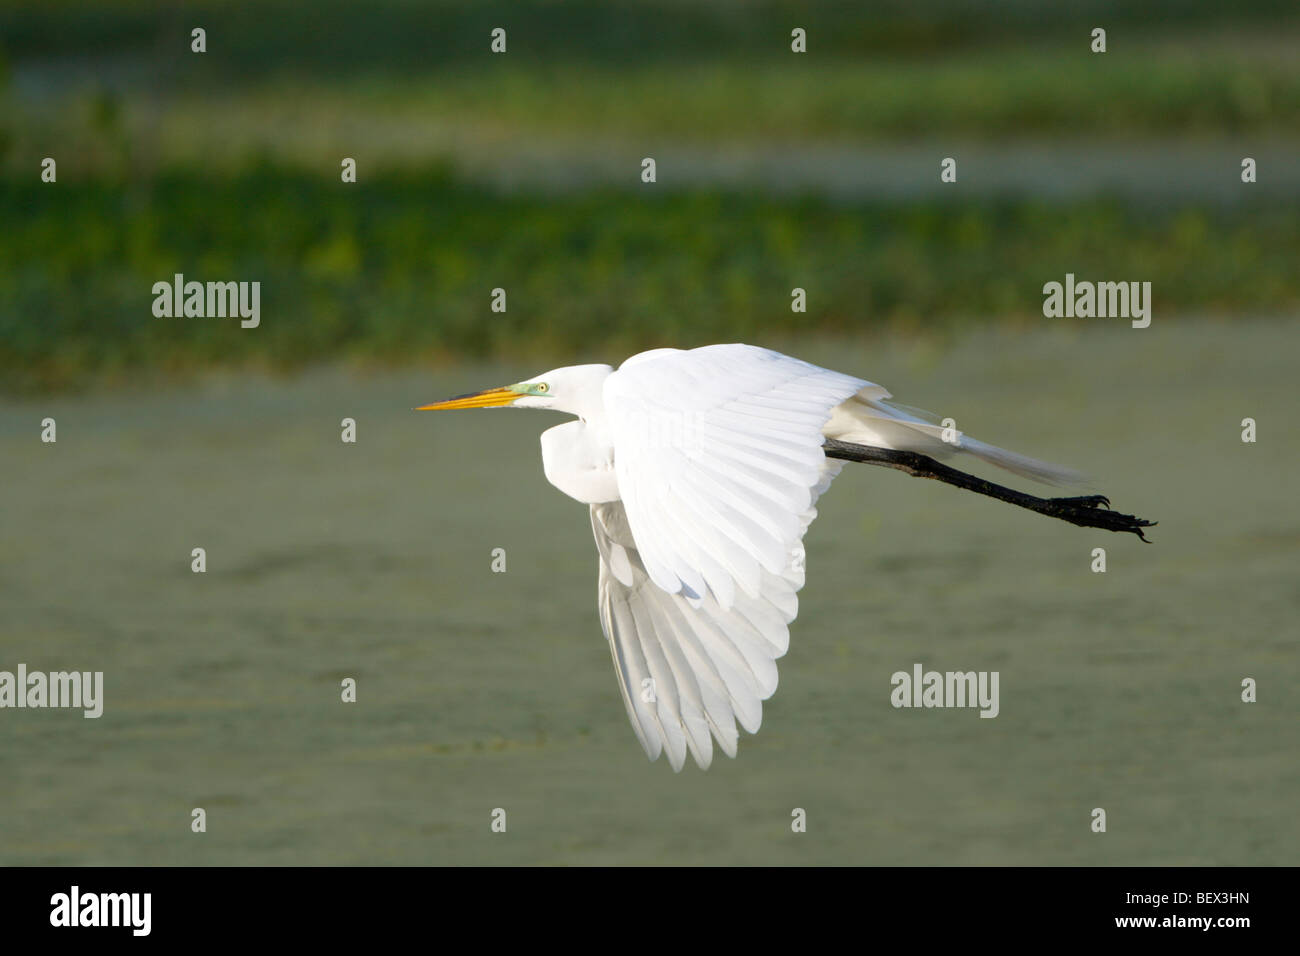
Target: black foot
{"points": [[1093, 511]]}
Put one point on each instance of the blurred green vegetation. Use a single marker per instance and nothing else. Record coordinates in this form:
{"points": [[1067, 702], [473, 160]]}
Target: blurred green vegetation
{"points": [[259, 37], [403, 268], [290, 79], [225, 167]]}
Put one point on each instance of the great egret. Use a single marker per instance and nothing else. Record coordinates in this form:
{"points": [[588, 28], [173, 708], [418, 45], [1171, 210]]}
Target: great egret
{"points": [[701, 469]]}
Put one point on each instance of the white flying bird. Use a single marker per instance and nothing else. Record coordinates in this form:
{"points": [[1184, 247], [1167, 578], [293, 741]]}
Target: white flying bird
{"points": [[702, 469]]}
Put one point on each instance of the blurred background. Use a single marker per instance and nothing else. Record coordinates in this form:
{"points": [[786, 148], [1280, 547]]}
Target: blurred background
{"points": [[522, 171]]}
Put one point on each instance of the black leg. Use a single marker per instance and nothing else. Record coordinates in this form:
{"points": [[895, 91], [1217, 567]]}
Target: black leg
{"points": [[1086, 511]]}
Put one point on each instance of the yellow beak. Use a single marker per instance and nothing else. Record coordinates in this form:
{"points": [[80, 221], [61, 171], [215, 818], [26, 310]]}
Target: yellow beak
{"points": [[488, 398]]}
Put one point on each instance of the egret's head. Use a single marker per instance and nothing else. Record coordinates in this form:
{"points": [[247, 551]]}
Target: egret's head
{"points": [[575, 389]]}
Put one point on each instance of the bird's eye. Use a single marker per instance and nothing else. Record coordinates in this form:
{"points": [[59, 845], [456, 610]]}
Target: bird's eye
{"points": [[542, 386]]}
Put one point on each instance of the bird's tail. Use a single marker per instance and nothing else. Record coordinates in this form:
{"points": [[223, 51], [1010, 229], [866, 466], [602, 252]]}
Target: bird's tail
{"points": [[869, 419]]}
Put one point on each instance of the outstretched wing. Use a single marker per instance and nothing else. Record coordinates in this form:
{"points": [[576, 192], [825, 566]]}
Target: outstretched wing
{"points": [[718, 455], [690, 670], [717, 451]]}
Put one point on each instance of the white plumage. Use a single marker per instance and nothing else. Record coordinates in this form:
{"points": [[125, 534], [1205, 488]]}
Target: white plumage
{"points": [[702, 469]]}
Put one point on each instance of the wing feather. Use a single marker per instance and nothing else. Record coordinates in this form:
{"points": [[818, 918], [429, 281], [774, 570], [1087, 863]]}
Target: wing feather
{"points": [[718, 455], [716, 450]]}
